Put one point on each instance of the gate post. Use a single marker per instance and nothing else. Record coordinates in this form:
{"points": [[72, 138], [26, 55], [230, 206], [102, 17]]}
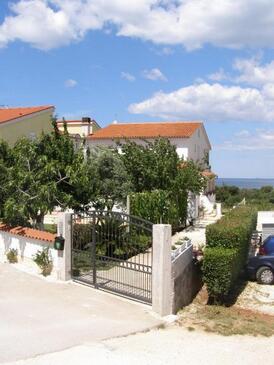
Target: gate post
{"points": [[161, 270], [64, 257]]}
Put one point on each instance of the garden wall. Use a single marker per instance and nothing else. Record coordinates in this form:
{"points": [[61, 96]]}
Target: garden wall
{"points": [[27, 242], [175, 278], [186, 279]]}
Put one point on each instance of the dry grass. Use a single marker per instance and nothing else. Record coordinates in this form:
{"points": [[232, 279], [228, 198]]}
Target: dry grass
{"points": [[226, 321]]}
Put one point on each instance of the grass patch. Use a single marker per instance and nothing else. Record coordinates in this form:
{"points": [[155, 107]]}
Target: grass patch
{"points": [[227, 321], [51, 228]]}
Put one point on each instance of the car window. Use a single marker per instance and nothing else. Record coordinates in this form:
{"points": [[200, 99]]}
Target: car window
{"points": [[269, 244]]}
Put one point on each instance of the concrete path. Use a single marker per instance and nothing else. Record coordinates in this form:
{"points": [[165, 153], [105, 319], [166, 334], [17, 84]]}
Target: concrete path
{"points": [[38, 317], [196, 233], [172, 346]]}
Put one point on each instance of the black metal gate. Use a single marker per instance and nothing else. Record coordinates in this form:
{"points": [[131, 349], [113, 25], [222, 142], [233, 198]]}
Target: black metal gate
{"points": [[113, 251]]}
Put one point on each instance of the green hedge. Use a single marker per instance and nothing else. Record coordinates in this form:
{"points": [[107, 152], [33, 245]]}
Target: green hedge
{"points": [[159, 206], [220, 270], [227, 244]]}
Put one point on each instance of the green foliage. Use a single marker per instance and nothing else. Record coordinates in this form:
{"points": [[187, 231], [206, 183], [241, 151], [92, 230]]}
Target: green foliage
{"points": [[161, 182], [226, 250], [232, 195], [233, 230], [42, 174], [12, 256], [43, 261], [51, 228], [220, 270], [113, 181], [5, 163], [152, 165], [158, 206], [112, 237]]}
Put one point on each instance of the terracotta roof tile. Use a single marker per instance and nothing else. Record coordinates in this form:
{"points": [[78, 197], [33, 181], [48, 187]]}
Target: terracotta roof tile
{"points": [[8, 114], [29, 232], [147, 130]]}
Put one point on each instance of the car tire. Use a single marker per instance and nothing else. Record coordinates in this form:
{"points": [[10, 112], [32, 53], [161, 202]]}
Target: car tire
{"points": [[265, 275]]}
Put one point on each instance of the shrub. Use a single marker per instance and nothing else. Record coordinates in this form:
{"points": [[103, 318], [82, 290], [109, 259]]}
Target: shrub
{"points": [[226, 252], [113, 237], [12, 256], [43, 260], [220, 270], [159, 206]]}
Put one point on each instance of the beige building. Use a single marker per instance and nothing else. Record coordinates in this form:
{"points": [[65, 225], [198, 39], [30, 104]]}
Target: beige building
{"points": [[79, 128], [27, 122]]}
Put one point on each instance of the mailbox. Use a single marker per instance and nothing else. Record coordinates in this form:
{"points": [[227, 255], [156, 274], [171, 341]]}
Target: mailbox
{"points": [[59, 243]]}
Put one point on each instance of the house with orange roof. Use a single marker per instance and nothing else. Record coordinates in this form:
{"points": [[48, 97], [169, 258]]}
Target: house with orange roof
{"points": [[189, 137], [27, 122]]}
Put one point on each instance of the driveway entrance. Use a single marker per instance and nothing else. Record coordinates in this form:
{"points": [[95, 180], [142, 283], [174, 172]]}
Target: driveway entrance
{"points": [[113, 251], [38, 316]]}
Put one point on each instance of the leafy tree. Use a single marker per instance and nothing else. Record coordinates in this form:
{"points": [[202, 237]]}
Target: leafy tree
{"points": [[152, 165], [5, 162], [267, 189], [113, 183], [156, 167], [46, 173]]}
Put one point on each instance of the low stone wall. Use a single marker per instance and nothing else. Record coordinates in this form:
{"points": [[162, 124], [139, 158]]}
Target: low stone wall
{"points": [[27, 242], [186, 279]]}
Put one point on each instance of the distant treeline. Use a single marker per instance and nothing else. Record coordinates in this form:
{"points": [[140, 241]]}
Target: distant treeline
{"points": [[232, 195]]}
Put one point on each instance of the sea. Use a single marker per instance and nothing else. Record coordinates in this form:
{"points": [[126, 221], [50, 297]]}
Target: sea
{"points": [[244, 182]]}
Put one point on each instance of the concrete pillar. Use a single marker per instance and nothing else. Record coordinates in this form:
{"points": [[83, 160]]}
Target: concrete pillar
{"points": [[64, 257], [161, 270], [219, 210]]}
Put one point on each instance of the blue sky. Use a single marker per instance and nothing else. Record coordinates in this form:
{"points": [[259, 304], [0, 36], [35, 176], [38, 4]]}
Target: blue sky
{"points": [[150, 60]]}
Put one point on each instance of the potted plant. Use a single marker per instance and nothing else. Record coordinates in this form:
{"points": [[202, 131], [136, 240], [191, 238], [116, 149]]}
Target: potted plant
{"points": [[44, 261], [12, 256]]}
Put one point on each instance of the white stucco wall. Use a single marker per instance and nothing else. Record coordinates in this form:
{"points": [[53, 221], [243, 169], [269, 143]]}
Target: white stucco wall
{"points": [[26, 247], [193, 148], [264, 217]]}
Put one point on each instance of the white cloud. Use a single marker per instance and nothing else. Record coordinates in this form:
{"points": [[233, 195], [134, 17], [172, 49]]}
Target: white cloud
{"points": [[252, 73], [70, 83], [255, 141], [219, 75], [154, 74], [248, 97], [214, 102], [46, 24], [127, 76]]}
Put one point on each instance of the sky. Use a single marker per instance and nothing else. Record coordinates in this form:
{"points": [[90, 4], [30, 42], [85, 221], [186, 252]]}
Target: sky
{"points": [[150, 60]]}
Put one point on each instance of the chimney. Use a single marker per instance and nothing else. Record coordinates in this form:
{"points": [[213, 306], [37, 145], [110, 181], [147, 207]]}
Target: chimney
{"points": [[86, 126], [86, 120]]}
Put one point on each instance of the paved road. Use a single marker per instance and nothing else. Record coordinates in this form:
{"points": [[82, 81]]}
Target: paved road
{"points": [[38, 317], [171, 346]]}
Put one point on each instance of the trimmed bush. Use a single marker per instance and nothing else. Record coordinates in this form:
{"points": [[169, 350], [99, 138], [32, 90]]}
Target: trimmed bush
{"points": [[220, 270], [227, 245]]}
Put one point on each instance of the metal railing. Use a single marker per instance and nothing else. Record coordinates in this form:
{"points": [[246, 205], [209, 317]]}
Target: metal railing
{"points": [[113, 251]]}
